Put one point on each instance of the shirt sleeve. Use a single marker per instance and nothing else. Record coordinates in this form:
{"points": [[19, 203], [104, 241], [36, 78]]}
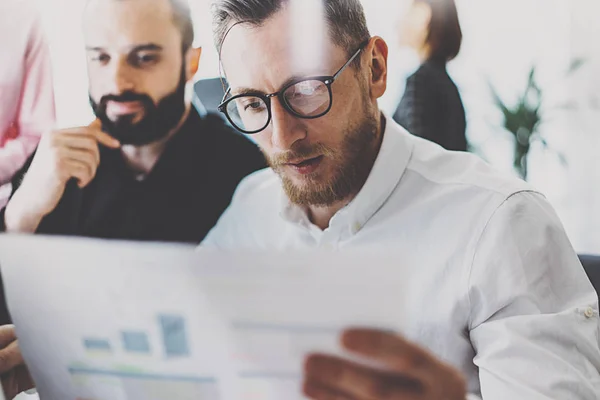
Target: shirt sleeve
{"points": [[534, 314], [36, 111]]}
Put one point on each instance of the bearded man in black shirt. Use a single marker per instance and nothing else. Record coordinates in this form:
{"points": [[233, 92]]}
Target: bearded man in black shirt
{"points": [[150, 167]]}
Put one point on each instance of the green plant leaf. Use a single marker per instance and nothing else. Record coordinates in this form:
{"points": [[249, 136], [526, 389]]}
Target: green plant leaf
{"points": [[533, 92], [531, 77], [563, 159], [497, 100], [575, 65]]}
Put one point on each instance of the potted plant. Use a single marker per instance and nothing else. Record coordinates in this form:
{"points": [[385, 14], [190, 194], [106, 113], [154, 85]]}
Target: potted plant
{"points": [[523, 119]]}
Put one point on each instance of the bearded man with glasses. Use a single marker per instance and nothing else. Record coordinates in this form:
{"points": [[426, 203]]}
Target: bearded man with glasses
{"points": [[492, 302], [308, 97]]}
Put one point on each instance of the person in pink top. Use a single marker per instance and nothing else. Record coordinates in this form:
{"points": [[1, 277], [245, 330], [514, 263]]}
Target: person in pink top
{"points": [[26, 89]]}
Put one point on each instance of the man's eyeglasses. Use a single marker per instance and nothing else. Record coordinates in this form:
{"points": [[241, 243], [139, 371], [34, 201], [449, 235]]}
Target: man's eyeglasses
{"points": [[308, 98]]}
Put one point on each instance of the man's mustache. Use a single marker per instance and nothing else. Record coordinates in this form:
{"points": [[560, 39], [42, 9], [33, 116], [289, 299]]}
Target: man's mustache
{"points": [[303, 152], [126, 97]]}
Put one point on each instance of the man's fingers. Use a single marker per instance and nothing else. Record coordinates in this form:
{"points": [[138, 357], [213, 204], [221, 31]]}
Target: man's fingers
{"points": [[107, 140], [76, 141], [77, 130], [96, 124], [315, 391], [81, 143], [387, 348], [407, 359], [10, 357], [84, 173], [93, 132], [358, 381], [87, 157], [7, 335]]}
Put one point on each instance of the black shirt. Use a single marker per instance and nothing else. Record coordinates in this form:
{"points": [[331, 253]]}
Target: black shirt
{"points": [[432, 108], [179, 201]]}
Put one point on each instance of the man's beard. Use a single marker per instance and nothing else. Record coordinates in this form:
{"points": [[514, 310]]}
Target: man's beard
{"points": [[157, 120], [352, 162]]}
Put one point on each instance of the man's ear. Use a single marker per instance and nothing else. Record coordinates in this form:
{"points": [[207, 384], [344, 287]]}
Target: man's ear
{"points": [[377, 51], [192, 62]]}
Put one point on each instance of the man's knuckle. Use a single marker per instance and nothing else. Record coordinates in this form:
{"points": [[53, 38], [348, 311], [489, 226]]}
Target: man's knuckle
{"points": [[416, 361], [61, 163], [336, 371], [5, 359], [53, 139], [382, 389]]}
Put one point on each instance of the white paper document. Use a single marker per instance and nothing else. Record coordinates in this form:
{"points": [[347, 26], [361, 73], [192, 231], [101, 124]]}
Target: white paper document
{"points": [[105, 320]]}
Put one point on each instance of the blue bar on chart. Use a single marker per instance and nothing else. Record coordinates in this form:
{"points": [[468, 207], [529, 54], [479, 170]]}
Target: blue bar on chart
{"points": [[136, 342], [95, 344], [174, 335]]}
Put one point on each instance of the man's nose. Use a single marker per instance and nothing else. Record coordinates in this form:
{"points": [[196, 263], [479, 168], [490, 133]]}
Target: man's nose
{"points": [[286, 128]]}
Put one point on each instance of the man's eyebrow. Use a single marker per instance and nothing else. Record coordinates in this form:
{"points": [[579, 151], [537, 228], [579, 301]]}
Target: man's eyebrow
{"points": [[147, 46], [245, 90], [140, 47]]}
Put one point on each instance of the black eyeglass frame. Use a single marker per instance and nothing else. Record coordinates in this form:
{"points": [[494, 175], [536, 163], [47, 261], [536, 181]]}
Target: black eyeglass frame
{"points": [[266, 98]]}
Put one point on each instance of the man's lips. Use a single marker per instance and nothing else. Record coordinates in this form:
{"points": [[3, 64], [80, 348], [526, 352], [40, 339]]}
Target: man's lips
{"points": [[305, 166], [302, 161], [123, 108]]}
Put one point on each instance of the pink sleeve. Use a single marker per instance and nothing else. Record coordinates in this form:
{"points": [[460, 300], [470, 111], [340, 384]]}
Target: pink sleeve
{"points": [[36, 112]]}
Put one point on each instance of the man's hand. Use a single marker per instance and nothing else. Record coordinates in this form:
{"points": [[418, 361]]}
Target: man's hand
{"points": [[403, 372], [13, 372], [61, 156]]}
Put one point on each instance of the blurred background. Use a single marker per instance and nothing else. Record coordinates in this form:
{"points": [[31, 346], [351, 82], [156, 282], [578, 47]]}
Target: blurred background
{"points": [[503, 42]]}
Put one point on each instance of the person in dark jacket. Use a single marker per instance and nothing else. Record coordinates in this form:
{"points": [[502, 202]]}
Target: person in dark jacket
{"points": [[431, 106]]}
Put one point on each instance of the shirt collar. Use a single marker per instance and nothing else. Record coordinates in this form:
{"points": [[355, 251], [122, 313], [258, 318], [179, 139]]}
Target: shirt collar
{"points": [[392, 160]]}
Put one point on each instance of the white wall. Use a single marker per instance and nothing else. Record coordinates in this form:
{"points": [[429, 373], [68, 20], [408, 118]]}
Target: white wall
{"points": [[548, 34], [503, 39], [580, 130], [62, 22]]}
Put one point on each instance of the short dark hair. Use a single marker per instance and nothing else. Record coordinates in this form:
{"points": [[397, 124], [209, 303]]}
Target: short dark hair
{"points": [[182, 17], [345, 18], [445, 35]]}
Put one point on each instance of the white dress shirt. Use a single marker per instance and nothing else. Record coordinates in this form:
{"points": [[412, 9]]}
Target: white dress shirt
{"points": [[493, 285]]}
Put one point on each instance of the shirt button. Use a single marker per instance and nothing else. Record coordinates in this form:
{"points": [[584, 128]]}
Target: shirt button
{"points": [[589, 312], [356, 228]]}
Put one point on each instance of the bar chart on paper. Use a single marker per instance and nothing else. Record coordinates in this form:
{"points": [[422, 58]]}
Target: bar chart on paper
{"points": [[171, 328], [265, 357], [131, 381]]}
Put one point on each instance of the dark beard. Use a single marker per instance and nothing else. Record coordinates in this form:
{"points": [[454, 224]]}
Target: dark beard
{"points": [[157, 122]]}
